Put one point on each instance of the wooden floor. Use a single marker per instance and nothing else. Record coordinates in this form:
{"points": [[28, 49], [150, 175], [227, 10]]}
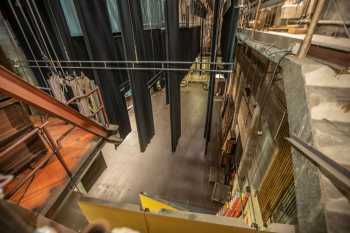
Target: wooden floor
{"points": [[42, 191]]}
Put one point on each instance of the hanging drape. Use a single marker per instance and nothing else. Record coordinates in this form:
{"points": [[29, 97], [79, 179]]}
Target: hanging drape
{"points": [[94, 20], [228, 35], [134, 47], [207, 132], [171, 10]]}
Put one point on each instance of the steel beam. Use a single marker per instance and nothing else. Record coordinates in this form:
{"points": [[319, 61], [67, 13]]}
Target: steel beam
{"points": [[12, 85]]}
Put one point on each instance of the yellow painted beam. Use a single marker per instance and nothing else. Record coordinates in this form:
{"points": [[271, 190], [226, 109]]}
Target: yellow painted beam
{"points": [[154, 205]]}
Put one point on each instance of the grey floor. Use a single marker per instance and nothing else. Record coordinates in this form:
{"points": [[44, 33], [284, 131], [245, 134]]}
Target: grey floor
{"points": [[179, 177]]}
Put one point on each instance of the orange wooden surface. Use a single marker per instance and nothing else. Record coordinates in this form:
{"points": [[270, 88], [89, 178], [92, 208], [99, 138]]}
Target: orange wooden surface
{"points": [[49, 181]]}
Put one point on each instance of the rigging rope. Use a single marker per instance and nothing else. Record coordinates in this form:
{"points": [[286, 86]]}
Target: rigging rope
{"points": [[40, 33], [27, 41], [47, 34]]}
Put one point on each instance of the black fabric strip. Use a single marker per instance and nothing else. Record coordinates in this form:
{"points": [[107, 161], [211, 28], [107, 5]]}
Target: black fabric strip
{"points": [[228, 35], [172, 38], [93, 17], [212, 74], [133, 38]]}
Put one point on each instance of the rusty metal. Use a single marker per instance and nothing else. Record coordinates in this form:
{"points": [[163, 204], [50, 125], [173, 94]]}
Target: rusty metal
{"points": [[21, 140], [101, 108], [44, 134], [12, 85], [27, 177], [56, 151], [60, 139]]}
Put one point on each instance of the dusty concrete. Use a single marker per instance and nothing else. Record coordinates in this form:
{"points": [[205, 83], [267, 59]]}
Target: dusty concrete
{"points": [[181, 176]]}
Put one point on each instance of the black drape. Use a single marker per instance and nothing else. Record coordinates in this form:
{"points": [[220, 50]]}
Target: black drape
{"points": [[60, 28], [134, 46], [228, 35], [172, 37], [189, 40], [93, 17], [211, 88]]}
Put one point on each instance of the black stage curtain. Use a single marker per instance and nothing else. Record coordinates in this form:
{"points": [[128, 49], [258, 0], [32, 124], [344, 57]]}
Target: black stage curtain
{"points": [[134, 47], [207, 130], [93, 17], [172, 40], [228, 34], [189, 40]]}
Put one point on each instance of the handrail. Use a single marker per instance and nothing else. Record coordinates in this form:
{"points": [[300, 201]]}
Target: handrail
{"points": [[338, 174]]}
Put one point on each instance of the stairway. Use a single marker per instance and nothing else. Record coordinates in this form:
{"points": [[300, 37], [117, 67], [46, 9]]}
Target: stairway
{"points": [[328, 97]]}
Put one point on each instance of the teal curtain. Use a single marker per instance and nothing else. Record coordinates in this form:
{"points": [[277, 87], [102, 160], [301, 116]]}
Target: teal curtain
{"points": [[71, 16], [113, 15], [72, 19], [152, 13]]}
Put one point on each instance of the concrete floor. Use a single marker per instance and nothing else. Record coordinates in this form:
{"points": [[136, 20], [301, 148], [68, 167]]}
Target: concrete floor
{"points": [[179, 177]]}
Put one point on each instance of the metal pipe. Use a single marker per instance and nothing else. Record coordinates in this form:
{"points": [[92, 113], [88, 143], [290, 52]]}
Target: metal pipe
{"points": [[304, 48], [135, 62], [131, 68], [333, 170], [56, 151]]}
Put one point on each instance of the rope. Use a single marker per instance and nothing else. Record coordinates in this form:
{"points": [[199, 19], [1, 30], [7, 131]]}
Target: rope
{"points": [[33, 34], [27, 42], [47, 35]]}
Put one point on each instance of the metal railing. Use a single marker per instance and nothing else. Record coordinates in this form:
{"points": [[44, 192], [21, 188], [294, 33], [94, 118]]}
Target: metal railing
{"points": [[338, 174]]}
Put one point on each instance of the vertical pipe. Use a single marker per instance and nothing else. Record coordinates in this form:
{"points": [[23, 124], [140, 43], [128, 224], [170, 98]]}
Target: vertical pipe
{"points": [[304, 48]]}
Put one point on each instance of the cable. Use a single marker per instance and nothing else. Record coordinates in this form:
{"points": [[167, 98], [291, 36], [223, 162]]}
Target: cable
{"points": [[47, 34], [32, 32], [41, 35], [59, 34], [27, 41]]}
